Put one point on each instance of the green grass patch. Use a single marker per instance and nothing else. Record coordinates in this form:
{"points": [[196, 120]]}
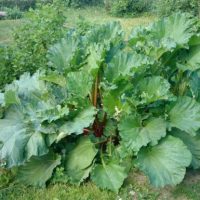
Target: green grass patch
{"points": [[93, 15], [6, 28], [135, 187], [98, 15]]}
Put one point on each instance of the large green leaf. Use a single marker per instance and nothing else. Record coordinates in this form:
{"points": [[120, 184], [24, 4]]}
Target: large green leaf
{"points": [[185, 115], [79, 160], [55, 78], [109, 176], [192, 143], [194, 84], [94, 59], [38, 170], [79, 84], [165, 163], [29, 87], [10, 97], [20, 142], [165, 35], [121, 65], [30, 105], [84, 119], [62, 54], [179, 27], [153, 89], [134, 135], [105, 33], [191, 60]]}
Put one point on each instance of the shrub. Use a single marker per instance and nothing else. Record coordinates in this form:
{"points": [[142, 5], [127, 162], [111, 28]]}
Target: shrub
{"points": [[107, 105], [21, 4], [41, 28], [81, 3], [130, 7], [167, 7], [13, 13], [5, 67]]}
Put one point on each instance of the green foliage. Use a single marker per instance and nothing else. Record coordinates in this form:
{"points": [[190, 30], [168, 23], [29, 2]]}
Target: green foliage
{"points": [[107, 104], [12, 13], [42, 27], [5, 67], [21, 4], [129, 7], [167, 7], [38, 170], [81, 3]]}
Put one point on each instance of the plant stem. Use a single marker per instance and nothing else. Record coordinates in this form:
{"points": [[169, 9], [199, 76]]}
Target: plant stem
{"points": [[110, 146], [95, 93], [101, 156]]}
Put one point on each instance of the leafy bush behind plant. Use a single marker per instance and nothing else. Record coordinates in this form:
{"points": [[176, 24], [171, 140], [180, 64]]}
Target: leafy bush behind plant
{"points": [[21, 4], [129, 7], [41, 28], [108, 105], [12, 13], [167, 7], [81, 3]]}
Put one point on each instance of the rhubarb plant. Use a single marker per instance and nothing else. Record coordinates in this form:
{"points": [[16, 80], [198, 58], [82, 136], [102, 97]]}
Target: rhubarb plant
{"points": [[106, 105]]}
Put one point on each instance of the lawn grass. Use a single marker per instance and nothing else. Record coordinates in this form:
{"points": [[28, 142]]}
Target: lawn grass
{"points": [[98, 15], [136, 187], [93, 15], [6, 27]]}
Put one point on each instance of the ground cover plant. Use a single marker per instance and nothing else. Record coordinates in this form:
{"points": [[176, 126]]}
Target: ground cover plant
{"points": [[105, 105]]}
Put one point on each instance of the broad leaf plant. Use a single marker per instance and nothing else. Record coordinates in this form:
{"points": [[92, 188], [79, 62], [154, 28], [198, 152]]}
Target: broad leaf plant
{"points": [[108, 104]]}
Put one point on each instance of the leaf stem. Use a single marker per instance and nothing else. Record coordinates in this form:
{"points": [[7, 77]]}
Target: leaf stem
{"points": [[101, 156], [110, 146], [95, 94]]}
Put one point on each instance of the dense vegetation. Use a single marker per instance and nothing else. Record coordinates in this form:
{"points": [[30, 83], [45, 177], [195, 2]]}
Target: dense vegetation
{"points": [[105, 105], [42, 28], [130, 7], [166, 7], [21, 4], [114, 7]]}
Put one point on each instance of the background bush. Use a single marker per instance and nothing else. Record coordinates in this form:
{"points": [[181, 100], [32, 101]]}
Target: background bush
{"points": [[167, 7], [129, 7], [21, 4], [42, 28], [81, 3], [12, 13]]}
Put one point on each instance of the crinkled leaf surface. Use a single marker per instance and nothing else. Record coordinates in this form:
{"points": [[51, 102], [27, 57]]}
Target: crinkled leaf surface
{"points": [[38, 170], [79, 160], [192, 143], [121, 65], [61, 54], [19, 141], [110, 176], [185, 115], [194, 84], [79, 84], [55, 78], [165, 163], [191, 61], [105, 33], [134, 135], [84, 119], [22, 128], [153, 89], [10, 97], [179, 27]]}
